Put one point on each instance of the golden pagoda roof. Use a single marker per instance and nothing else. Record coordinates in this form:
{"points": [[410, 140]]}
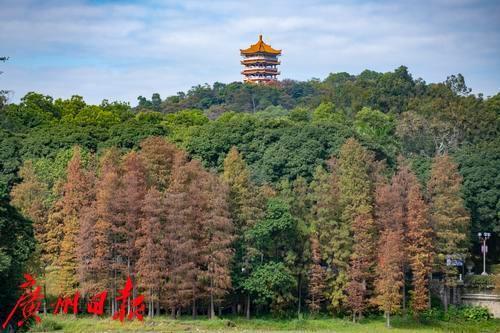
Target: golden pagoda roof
{"points": [[260, 46]]}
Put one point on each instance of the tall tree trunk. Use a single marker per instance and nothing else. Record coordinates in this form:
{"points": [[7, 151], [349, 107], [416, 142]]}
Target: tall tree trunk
{"points": [[212, 310], [44, 297], [150, 303], [429, 290], [248, 306], [388, 319], [404, 297], [114, 292], [445, 302], [404, 290], [299, 295], [128, 271], [194, 306]]}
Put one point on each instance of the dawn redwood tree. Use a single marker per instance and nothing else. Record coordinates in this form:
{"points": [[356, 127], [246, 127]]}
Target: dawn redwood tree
{"points": [[159, 158], [298, 196], [78, 194], [134, 190], [107, 262], [151, 267], [420, 248], [355, 178], [450, 220], [398, 201], [317, 277], [391, 254], [186, 206], [218, 232], [246, 207], [361, 264], [333, 235], [389, 273], [89, 280]]}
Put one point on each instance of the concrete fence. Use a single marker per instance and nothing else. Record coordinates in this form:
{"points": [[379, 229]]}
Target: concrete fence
{"points": [[488, 300]]}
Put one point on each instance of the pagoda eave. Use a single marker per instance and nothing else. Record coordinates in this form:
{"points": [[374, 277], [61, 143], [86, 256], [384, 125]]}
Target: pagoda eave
{"points": [[264, 72], [258, 61]]}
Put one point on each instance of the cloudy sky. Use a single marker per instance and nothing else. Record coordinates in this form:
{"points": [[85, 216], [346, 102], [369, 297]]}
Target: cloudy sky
{"points": [[119, 50]]}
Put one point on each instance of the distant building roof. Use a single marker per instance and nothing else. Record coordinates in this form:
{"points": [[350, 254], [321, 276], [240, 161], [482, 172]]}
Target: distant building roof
{"points": [[260, 46]]}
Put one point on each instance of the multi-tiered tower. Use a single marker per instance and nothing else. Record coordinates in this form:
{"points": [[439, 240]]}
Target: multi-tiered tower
{"points": [[260, 63]]}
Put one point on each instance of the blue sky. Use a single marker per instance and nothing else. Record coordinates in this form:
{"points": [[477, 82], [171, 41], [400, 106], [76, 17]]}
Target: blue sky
{"points": [[118, 50]]}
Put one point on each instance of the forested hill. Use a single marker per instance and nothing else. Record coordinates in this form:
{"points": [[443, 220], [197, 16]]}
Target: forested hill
{"points": [[284, 131], [334, 144]]}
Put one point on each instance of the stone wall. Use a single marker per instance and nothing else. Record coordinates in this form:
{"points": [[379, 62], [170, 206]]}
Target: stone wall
{"points": [[488, 300]]}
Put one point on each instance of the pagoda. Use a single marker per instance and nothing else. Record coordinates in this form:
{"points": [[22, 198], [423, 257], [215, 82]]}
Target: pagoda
{"points": [[260, 63]]}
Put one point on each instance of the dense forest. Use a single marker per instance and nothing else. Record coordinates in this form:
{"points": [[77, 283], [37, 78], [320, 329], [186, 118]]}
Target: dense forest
{"points": [[338, 196]]}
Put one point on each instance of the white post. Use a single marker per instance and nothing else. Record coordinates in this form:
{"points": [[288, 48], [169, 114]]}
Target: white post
{"points": [[484, 257]]}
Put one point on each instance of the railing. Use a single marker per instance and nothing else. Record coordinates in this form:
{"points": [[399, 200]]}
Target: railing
{"points": [[261, 73], [261, 58], [260, 68]]}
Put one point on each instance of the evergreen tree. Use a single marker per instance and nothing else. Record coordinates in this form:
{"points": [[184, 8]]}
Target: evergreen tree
{"points": [[31, 198], [17, 244], [300, 207], [274, 237]]}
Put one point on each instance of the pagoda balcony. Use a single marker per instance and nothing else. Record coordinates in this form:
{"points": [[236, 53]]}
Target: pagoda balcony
{"points": [[260, 80], [260, 68], [260, 71], [259, 61], [261, 58]]}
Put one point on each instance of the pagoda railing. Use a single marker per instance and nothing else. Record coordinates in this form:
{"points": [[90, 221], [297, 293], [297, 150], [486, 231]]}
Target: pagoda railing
{"points": [[260, 58], [260, 67]]}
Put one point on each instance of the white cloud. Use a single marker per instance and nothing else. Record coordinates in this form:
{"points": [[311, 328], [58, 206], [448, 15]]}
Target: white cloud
{"points": [[167, 46]]}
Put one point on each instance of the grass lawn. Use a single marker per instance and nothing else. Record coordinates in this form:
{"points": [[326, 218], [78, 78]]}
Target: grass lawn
{"points": [[67, 323]]}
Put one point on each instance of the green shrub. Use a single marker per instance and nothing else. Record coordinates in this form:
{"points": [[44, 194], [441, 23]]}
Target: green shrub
{"points": [[434, 313], [46, 325], [457, 313], [495, 269], [475, 313], [479, 282], [467, 313]]}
